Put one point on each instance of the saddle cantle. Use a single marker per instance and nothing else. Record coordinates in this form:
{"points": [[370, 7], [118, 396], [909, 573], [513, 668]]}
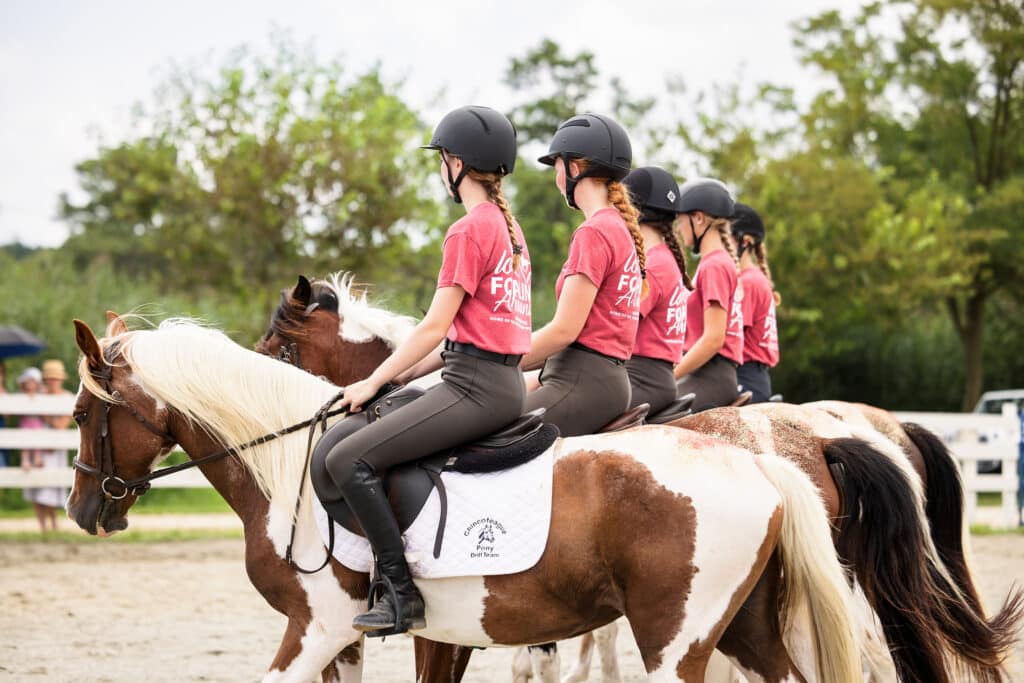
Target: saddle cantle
{"points": [[681, 407], [409, 485], [634, 417]]}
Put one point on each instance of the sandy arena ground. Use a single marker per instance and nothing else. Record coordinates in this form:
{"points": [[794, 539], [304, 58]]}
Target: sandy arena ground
{"points": [[186, 612]]}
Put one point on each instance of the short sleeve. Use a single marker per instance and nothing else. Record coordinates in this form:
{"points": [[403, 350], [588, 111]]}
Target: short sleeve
{"points": [[717, 286], [589, 255], [462, 263]]}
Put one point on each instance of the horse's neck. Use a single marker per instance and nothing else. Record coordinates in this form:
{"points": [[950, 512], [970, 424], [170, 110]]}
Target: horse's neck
{"points": [[227, 475], [356, 361]]}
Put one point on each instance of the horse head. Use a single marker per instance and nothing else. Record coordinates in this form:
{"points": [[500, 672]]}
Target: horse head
{"points": [[123, 433], [319, 327]]}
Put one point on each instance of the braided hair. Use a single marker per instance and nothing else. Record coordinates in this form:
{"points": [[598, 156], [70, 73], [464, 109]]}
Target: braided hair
{"points": [[491, 183]]}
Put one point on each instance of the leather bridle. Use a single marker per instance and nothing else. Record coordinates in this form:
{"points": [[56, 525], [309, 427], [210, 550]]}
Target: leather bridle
{"points": [[116, 488]]}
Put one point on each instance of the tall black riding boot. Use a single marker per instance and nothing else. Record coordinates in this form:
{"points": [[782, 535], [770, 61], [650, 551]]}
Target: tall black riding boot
{"points": [[398, 606]]}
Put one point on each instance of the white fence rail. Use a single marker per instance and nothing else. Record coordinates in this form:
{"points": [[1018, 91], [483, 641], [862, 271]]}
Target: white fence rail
{"points": [[57, 439], [973, 438]]}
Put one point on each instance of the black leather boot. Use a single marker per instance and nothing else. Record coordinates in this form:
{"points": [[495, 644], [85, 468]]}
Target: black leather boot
{"points": [[395, 603]]}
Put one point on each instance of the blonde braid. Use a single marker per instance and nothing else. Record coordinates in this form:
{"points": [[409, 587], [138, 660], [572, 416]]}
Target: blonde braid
{"points": [[761, 254], [491, 183], [619, 197], [724, 228]]}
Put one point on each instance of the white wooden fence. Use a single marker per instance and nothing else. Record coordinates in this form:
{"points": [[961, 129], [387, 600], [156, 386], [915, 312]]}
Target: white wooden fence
{"points": [[12, 438], [973, 437]]}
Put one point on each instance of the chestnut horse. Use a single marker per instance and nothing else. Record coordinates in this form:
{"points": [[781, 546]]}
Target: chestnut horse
{"points": [[953, 620], [644, 523]]}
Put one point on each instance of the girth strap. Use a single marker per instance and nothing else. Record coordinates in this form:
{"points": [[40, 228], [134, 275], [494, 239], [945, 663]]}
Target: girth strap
{"points": [[434, 473]]}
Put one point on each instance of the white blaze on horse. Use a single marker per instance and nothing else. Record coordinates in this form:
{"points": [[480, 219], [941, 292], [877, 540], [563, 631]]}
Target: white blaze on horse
{"points": [[669, 528]]}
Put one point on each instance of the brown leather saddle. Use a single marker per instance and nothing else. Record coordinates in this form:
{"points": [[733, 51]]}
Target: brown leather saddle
{"points": [[681, 407], [409, 485]]}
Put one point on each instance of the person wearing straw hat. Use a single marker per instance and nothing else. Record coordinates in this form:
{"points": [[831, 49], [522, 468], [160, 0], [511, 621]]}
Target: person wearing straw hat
{"points": [[48, 500]]}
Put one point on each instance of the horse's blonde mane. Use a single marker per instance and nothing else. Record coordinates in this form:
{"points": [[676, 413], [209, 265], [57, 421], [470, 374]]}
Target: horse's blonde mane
{"points": [[234, 394], [361, 322]]}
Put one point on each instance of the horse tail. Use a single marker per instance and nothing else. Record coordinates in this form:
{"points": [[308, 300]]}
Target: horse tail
{"points": [[883, 539], [988, 644], [812, 576]]}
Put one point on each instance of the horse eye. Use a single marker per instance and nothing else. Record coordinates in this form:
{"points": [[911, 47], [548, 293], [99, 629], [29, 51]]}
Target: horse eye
{"points": [[80, 418]]}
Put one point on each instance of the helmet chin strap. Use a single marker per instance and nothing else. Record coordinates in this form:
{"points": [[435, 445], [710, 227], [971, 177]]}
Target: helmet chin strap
{"points": [[453, 183], [571, 181], [695, 249]]}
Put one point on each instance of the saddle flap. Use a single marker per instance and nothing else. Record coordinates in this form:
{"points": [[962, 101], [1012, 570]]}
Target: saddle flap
{"points": [[681, 407], [634, 417]]}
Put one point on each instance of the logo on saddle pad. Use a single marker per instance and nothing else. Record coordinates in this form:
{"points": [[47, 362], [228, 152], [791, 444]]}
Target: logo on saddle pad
{"points": [[487, 532]]}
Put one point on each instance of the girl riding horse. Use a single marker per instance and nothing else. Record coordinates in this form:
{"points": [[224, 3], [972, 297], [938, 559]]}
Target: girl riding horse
{"points": [[481, 312]]}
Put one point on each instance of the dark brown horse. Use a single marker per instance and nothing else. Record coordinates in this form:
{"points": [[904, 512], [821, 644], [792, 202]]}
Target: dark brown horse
{"points": [[917, 628], [642, 521]]}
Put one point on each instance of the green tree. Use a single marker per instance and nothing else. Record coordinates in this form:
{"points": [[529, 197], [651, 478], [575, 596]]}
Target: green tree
{"points": [[938, 105], [269, 166]]}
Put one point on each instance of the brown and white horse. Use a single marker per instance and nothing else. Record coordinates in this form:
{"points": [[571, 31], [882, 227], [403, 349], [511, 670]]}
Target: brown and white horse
{"points": [[672, 529], [976, 645]]}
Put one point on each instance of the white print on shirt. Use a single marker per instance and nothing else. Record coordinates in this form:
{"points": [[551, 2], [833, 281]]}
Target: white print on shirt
{"points": [[513, 285], [770, 337], [735, 327], [675, 316], [630, 283]]}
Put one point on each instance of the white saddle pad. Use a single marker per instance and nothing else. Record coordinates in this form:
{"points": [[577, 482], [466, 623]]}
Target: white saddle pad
{"points": [[497, 524]]}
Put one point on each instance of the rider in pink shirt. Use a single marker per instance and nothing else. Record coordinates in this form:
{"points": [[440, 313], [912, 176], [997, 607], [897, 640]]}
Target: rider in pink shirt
{"points": [[659, 339], [760, 335], [480, 316], [714, 314], [584, 384]]}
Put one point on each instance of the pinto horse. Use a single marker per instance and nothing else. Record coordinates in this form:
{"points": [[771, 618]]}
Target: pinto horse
{"points": [[643, 523], [927, 616]]}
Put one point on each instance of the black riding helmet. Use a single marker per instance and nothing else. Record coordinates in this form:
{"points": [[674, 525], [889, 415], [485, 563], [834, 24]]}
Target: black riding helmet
{"points": [[597, 138], [745, 221], [483, 138], [655, 192], [709, 196]]}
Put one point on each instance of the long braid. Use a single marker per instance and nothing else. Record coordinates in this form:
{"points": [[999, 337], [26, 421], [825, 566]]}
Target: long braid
{"points": [[724, 228], [619, 198], [668, 234], [761, 254], [491, 183]]}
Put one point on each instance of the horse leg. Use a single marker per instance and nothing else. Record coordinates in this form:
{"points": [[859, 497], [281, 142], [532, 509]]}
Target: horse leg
{"points": [[522, 667], [581, 671], [440, 662], [347, 667], [606, 637], [753, 639], [303, 651], [546, 665]]}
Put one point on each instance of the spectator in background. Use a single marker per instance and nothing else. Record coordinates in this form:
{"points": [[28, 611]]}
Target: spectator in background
{"points": [[3, 390], [45, 501]]}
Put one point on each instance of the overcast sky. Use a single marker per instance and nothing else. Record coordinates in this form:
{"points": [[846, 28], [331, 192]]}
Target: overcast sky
{"points": [[70, 70]]}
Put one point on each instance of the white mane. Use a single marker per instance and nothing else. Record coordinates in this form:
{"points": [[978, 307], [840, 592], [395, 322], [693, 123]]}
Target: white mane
{"points": [[234, 394], [361, 322]]}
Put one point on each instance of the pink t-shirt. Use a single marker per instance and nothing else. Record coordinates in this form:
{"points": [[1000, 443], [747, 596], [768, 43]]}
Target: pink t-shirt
{"points": [[477, 256], [663, 311], [716, 282], [602, 249], [760, 336]]}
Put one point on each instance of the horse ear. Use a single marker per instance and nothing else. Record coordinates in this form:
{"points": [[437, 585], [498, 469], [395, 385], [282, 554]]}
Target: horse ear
{"points": [[115, 325], [87, 342], [303, 291]]}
